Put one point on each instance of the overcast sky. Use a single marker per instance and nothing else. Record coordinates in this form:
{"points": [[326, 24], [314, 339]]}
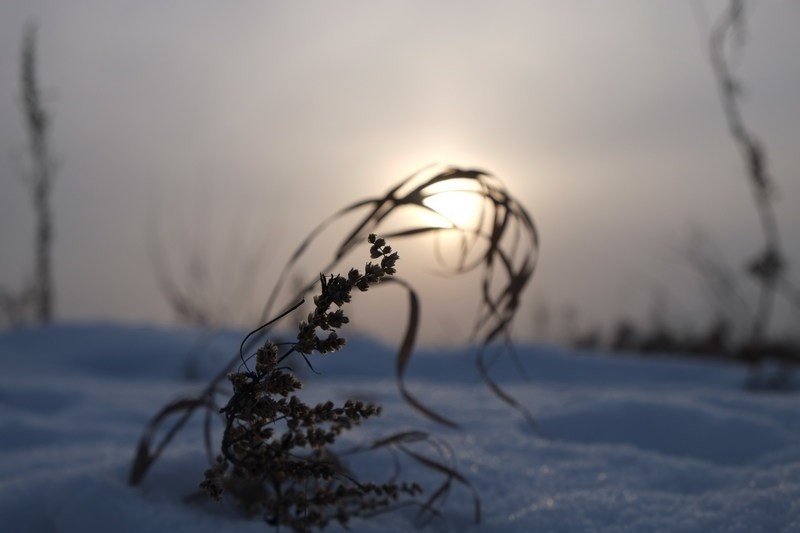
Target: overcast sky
{"points": [[231, 128]]}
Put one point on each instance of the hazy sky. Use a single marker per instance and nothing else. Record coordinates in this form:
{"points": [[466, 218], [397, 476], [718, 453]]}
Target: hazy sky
{"points": [[232, 128]]}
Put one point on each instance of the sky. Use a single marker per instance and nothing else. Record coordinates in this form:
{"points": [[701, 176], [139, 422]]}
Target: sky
{"points": [[222, 133]]}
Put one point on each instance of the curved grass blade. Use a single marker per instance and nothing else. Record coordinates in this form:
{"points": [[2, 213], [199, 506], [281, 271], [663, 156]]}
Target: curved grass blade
{"points": [[146, 454], [508, 261], [451, 474], [405, 351]]}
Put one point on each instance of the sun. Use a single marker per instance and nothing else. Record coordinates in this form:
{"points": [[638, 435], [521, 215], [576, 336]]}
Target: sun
{"points": [[452, 203]]}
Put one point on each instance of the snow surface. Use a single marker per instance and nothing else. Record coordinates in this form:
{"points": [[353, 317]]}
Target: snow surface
{"points": [[622, 444]]}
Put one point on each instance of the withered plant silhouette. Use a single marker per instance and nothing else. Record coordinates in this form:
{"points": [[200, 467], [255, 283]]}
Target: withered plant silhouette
{"points": [[502, 245], [37, 296], [768, 268]]}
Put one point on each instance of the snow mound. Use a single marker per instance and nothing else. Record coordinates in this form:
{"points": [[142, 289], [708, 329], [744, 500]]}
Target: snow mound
{"points": [[621, 444]]}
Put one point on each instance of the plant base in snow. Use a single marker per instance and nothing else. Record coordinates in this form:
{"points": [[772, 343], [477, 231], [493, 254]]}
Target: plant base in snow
{"points": [[275, 456]]}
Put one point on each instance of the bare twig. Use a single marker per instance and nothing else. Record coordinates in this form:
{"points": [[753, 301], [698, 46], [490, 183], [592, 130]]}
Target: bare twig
{"points": [[40, 179], [767, 268]]}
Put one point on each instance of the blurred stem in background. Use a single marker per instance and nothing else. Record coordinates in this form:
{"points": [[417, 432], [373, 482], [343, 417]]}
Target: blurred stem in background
{"points": [[767, 268], [34, 302], [39, 179]]}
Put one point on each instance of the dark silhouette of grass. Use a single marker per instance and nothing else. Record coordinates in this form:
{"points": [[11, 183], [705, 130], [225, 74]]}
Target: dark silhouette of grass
{"points": [[502, 246], [276, 455], [739, 329], [768, 267], [37, 297]]}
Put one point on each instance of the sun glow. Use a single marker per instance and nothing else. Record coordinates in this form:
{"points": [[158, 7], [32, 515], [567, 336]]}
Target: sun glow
{"points": [[452, 204]]}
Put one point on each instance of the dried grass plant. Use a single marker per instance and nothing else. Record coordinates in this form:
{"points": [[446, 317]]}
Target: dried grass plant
{"points": [[502, 246], [769, 267], [276, 455], [35, 301]]}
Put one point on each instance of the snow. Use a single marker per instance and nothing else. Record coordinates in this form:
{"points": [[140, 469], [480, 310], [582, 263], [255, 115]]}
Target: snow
{"points": [[621, 443]]}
